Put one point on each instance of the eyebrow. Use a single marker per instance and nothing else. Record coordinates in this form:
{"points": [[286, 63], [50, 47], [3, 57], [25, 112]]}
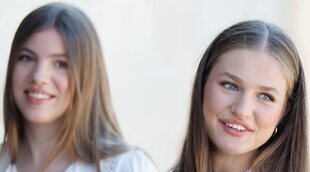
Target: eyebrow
{"points": [[35, 54], [233, 77], [239, 80]]}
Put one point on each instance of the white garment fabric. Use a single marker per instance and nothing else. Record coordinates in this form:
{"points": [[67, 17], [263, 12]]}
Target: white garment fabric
{"points": [[131, 161]]}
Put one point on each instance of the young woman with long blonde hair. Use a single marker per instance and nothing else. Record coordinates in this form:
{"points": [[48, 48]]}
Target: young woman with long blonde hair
{"points": [[57, 108], [248, 107]]}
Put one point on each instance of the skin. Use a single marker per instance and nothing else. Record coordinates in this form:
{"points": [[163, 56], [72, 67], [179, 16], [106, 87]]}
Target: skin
{"points": [[246, 89], [41, 92]]}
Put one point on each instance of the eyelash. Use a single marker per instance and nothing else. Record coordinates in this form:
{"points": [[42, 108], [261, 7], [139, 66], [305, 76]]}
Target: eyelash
{"points": [[28, 59], [233, 87], [25, 58], [267, 96], [230, 86], [61, 64]]}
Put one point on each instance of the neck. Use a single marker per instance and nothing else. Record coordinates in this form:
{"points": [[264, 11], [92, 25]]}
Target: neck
{"points": [[223, 162], [39, 139], [37, 145]]}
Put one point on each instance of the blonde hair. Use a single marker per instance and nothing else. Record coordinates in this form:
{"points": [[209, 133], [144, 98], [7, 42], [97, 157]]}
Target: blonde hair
{"points": [[89, 129], [284, 151]]}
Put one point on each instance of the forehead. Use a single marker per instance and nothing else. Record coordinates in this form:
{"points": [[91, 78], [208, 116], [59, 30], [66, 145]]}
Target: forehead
{"points": [[45, 41], [255, 67]]}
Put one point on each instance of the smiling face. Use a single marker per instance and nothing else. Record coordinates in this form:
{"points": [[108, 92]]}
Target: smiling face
{"points": [[243, 102], [40, 78]]}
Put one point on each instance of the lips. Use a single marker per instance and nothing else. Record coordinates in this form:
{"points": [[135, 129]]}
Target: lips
{"points": [[236, 128], [237, 124], [37, 96]]}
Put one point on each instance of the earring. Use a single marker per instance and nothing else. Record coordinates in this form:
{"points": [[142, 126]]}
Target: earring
{"points": [[275, 131]]}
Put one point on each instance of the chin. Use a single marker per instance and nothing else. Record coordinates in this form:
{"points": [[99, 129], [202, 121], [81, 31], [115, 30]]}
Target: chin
{"points": [[39, 119], [233, 149]]}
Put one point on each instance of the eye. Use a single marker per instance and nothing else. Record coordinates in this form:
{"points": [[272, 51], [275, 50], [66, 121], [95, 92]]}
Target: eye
{"points": [[230, 86], [25, 58], [266, 97], [61, 64]]}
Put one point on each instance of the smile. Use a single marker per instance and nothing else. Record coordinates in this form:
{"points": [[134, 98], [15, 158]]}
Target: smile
{"points": [[37, 95], [236, 126], [236, 129]]}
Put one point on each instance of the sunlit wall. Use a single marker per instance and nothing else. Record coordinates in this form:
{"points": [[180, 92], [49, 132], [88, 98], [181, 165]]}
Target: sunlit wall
{"points": [[152, 49]]}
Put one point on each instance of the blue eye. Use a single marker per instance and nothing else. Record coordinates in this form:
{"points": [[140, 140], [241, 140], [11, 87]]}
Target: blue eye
{"points": [[266, 97], [61, 64], [25, 58], [230, 86]]}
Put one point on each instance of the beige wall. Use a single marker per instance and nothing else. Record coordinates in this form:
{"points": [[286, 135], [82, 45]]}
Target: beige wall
{"points": [[301, 33], [152, 49]]}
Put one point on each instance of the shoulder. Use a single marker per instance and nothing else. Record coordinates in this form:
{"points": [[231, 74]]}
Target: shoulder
{"points": [[4, 159], [131, 161]]}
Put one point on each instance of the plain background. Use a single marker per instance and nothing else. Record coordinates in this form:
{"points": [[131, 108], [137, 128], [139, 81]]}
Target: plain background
{"points": [[152, 49]]}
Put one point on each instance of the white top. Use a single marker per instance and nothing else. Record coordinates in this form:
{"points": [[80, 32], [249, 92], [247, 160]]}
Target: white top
{"points": [[132, 161]]}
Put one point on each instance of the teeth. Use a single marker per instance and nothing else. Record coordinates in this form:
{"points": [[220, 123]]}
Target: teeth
{"points": [[235, 126], [38, 95]]}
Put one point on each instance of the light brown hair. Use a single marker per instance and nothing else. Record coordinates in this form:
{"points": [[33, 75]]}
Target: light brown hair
{"points": [[89, 130], [284, 151]]}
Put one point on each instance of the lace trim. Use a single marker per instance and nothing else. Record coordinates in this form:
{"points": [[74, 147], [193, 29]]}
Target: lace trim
{"points": [[109, 165]]}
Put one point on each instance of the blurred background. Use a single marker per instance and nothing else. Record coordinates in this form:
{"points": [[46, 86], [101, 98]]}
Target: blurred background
{"points": [[152, 49]]}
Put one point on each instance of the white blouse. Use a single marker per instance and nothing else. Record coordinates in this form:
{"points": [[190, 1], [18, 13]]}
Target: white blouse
{"points": [[131, 161]]}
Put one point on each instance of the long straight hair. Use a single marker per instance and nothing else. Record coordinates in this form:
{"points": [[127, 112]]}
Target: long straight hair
{"points": [[284, 151], [89, 130]]}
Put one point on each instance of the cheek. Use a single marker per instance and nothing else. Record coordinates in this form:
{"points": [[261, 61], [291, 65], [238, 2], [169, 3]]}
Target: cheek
{"points": [[215, 100], [268, 118], [66, 90], [62, 85], [62, 82], [65, 86], [18, 75]]}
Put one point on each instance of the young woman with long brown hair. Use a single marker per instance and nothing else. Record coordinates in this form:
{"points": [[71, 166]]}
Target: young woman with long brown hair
{"points": [[57, 108], [248, 108]]}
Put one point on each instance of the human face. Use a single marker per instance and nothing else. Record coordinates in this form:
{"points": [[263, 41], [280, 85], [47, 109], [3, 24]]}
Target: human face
{"points": [[244, 98], [40, 78]]}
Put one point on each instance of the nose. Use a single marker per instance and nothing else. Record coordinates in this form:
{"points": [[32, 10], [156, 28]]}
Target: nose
{"points": [[39, 74], [242, 106]]}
